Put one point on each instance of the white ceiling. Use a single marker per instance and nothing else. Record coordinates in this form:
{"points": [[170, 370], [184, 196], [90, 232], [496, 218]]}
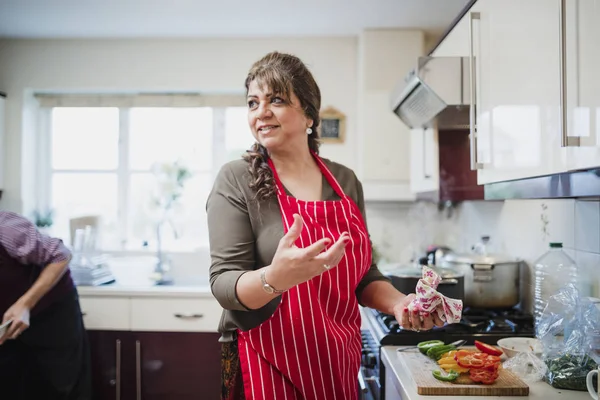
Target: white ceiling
{"points": [[218, 18]]}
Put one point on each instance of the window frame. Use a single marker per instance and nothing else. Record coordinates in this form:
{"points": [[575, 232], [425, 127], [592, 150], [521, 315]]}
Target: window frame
{"points": [[45, 170]]}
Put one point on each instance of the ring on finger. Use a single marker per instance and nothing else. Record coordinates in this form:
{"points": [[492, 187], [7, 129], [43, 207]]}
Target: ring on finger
{"points": [[327, 266]]}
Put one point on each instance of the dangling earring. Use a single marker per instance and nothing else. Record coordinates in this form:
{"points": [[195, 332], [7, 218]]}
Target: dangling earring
{"points": [[308, 131]]}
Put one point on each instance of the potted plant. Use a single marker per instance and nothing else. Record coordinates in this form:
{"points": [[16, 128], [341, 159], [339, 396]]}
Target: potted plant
{"points": [[170, 179]]}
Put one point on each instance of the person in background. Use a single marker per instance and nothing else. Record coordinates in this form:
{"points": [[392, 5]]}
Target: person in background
{"points": [[44, 353], [291, 254]]}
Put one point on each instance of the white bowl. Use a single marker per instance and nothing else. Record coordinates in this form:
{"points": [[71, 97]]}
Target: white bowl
{"points": [[513, 346]]}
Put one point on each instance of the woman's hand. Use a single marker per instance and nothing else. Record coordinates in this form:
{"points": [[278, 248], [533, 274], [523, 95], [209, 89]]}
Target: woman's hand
{"points": [[292, 265], [19, 315], [414, 320]]}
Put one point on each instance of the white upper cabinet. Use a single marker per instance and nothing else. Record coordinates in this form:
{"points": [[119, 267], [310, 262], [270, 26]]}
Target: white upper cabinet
{"points": [[424, 160], [583, 84], [385, 55], [518, 81], [537, 91], [456, 42]]}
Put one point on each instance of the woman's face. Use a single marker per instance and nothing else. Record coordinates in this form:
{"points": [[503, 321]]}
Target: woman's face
{"points": [[276, 123]]}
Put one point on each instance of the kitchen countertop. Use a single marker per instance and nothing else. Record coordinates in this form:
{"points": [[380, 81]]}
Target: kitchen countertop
{"points": [[407, 390], [146, 290]]}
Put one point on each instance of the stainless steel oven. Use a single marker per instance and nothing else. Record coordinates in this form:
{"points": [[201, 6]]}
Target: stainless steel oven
{"points": [[368, 376]]}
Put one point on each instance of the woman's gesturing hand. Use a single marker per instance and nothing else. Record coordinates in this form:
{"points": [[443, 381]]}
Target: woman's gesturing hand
{"points": [[293, 265]]}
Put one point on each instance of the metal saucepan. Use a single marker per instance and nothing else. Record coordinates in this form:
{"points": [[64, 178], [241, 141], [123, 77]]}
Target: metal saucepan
{"points": [[452, 285], [491, 281]]}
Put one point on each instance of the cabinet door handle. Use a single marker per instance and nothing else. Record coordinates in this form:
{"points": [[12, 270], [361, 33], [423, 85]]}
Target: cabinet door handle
{"points": [[473, 101], [188, 316], [138, 370], [425, 174], [118, 368], [565, 139]]}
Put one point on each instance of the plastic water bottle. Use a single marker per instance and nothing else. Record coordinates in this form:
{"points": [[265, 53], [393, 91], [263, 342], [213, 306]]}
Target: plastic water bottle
{"points": [[553, 270]]}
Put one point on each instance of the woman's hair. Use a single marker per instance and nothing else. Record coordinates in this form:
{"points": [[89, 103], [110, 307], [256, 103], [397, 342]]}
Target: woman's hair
{"points": [[283, 74]]}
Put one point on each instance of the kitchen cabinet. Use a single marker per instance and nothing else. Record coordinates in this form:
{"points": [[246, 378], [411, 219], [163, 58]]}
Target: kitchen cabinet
{"points": [[424, 163], [178, 366], [153, 348], [583, 85], [517, 82], [383, 144], [113, 365], [155, 365], [456, 42], [532, 60]]}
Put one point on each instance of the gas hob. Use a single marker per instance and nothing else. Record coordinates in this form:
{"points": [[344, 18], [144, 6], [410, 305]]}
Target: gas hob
{"points": [[487, 326]]}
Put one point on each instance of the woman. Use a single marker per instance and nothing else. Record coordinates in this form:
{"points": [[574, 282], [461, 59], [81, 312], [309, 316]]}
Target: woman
{"points": [[291, 255]]}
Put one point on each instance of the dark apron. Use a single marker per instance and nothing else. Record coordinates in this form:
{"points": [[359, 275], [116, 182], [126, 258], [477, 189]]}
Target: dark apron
{"points": [[51, 359]]}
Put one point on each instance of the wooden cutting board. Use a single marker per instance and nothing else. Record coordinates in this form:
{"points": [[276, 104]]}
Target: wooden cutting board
{"points": [[421, 368]]}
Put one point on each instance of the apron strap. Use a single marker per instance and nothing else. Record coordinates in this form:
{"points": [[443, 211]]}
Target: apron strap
{"points": [[324, 170], [329, 176]]}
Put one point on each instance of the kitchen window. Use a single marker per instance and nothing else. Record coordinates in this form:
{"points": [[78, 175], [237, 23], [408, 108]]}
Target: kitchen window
{"points": [[98, 157]]}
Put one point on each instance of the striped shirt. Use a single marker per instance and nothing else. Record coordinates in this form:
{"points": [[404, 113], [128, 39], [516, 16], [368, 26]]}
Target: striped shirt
{"points": [[25, 244], [24, 252]]}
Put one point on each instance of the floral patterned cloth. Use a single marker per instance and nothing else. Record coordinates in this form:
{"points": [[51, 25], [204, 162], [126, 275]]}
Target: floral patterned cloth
{"points": [[429, 300], [232, 385]]}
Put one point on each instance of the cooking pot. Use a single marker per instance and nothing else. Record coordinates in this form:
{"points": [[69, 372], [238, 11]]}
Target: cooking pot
{"points": [[491, 281], [405, 279]]}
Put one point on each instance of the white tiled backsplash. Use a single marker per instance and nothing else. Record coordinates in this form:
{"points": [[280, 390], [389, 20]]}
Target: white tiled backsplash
{"points": [[522, 228]]}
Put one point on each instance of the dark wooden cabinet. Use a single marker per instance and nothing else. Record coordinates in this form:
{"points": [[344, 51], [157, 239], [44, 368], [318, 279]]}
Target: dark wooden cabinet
{"points": [[178, 366], [155, 365], [112, 365]]}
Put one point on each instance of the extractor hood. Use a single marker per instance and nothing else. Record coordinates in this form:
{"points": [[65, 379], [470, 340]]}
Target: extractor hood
{"points": [[435, 93]]}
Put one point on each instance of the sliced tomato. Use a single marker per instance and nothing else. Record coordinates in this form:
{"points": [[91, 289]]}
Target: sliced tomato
{"points": [[462, 353], [476, 360], [490, 361], [471, 360], [486, 348], [492, 367], [484, 376]]}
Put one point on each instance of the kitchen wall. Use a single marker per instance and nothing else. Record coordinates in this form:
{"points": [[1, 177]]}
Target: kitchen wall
{"points": [[525, 227], [522, 228], [205, 65], [401, 232]]}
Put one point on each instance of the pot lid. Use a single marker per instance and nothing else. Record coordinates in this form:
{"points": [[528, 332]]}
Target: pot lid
{"points": [[489, 259]]}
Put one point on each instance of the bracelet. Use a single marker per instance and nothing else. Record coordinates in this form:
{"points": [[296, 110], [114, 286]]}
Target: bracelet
{"points": [[266, 287]]}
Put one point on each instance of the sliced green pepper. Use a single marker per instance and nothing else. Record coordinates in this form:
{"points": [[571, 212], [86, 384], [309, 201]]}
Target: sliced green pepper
{"points": [[436, 351], [451, 377], [424, 346]]}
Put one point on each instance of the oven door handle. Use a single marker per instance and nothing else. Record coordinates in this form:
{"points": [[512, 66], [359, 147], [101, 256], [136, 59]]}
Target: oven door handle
{"points": [[361, 382]]}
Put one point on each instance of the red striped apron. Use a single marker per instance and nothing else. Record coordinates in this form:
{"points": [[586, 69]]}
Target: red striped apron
{"points": [[310, 348]]}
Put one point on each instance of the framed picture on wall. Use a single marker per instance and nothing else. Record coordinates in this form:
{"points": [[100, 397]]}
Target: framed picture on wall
{"points": [[333, 126]]}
